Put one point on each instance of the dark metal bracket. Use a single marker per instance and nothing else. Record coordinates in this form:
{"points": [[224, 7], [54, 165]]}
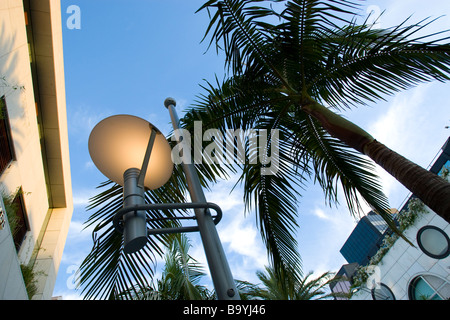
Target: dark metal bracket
{"points": [[118, 218]]}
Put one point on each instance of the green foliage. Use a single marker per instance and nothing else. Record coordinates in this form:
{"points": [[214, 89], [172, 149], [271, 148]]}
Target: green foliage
{"points": [[182, 273], [8, 88], [29, 277], [280, 62], [11, 213], [180, 278], [405, 219], [11, 210], [107, 270], [281, 285]]}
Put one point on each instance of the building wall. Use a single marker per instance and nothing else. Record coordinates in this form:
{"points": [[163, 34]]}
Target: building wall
{"points": [[403, 263], [41, 167], [12, 285], [362, 242]]}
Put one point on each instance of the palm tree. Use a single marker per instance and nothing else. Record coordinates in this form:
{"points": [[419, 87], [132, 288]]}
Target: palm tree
{"points": [[294, 71], [180, 278], [281, 285], [182, 273]]}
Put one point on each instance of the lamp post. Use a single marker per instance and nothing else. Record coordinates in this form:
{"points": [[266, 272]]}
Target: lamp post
{"points": [[134, 153], [218, 265], [120, 146]]}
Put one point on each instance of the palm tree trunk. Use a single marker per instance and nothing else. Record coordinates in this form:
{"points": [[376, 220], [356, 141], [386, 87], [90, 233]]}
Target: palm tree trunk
{"points": [[427, 186]]}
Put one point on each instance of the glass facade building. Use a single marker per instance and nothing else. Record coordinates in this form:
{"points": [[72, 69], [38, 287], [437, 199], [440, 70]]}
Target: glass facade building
{"points": [[365, 239]]}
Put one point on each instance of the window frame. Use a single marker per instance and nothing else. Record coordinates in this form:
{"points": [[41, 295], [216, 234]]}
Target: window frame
{"points": [[9, 153], [423, 277], [385, 287], [422, 247]]}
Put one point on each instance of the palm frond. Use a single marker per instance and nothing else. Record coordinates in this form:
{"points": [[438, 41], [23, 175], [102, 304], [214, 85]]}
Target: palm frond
{"points": [[273, 197], [281, 285], [335, 164], [305, 150], [237, 102], [314, 289], [336, 167], [107, 270], [361, 64], [182, 273], [236, 26], [180, 276]]}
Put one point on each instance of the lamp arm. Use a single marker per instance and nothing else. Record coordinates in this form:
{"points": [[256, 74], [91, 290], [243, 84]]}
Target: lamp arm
{"points": [[168, 206], [148, 152]]}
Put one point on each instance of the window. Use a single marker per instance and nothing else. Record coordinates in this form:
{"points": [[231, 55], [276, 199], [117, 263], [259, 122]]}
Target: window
{"points": [[6, 146], [382, 292], [429, 287], [434, 242], [17, 218]]}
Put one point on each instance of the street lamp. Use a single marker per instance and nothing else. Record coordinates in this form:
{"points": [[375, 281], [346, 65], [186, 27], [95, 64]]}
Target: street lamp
{"points": [[120, 142], [134, 153], [120, 146]]}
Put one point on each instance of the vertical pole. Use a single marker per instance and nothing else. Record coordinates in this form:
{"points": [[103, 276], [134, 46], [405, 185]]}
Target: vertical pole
{"points": [[135, 225], [222, 278]]}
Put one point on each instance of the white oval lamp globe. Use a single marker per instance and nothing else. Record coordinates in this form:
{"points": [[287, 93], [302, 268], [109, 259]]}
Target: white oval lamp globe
{"points": [[119, 143]]}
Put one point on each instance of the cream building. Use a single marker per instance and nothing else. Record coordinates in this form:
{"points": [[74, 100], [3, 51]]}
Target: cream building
{"points": [[413, 273], [34, 149]]}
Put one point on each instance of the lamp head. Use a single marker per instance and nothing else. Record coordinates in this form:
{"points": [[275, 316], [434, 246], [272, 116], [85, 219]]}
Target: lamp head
{"points": [[170, 101], [119, 143]]}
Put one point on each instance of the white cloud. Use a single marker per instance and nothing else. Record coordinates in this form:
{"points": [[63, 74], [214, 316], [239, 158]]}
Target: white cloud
{"points": [[241, 236], [81, 120], [323, 231], [89, 164], [237, 231], [413, 126], [81, 196], [399, 10], [320, 213], [395, 128], [78, 230], [78, 244], [238, 234], [80, 199], [243, 248], [224, 199], [396, 125]]}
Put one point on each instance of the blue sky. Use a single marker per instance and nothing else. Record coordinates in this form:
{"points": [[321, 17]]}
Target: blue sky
{"points": [[129, 55]]}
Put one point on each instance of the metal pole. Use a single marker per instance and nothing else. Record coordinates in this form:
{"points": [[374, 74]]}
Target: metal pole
{"points": [[135, 226], [218, 265]]}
